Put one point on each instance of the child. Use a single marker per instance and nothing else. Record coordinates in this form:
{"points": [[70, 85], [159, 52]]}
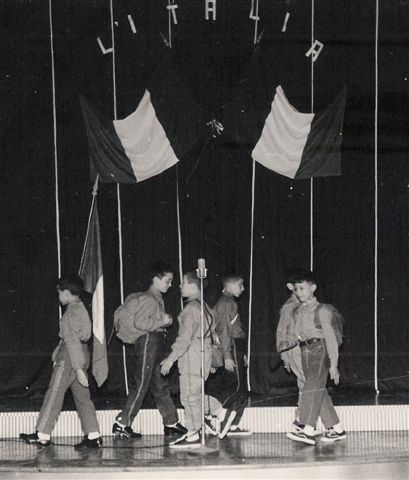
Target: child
{"points": [[319, 355], [142, 321], [187, 350], [230, 332], [287, 343], [71, 360]]}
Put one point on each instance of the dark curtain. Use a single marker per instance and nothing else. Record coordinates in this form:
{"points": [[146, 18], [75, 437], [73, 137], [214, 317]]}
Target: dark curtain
{"points": [[214, 177]]}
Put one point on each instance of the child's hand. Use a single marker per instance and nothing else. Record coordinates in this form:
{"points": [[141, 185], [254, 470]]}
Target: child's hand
{"points": [[213, 369], [166, 320], [166, 366], [82, 378], [229, 365], [334, 374]]}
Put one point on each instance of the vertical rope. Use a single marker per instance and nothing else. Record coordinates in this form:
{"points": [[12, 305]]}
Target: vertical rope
{"points": [[256, 23], [170, 24], [312, 111], [56, 180], [118, 189], [376, 203], [253, 183], [179, 231]]}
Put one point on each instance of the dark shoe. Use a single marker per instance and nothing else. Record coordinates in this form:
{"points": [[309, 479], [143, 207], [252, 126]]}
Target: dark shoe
{"points": [[124, 431], [301, 436], [186, 442], [211, 425], [87, 443], [238, 431], [225, 424], [177, 429], [32, 438], [332, 436]]}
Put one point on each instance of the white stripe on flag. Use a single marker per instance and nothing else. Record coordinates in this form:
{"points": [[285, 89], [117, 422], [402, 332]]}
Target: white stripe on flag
{"points": [[144, 141], [284, 136], [98, 310]]}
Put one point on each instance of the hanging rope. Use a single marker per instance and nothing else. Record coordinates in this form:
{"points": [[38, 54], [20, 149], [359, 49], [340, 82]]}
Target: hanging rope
{"points": [[179, 232], [118, 191], [170, 23], [376, 203], [312, 111], [57, 200], [253, 183]]}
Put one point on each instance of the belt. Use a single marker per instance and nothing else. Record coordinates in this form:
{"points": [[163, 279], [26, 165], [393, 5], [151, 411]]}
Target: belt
{"points": [[310, 341]]}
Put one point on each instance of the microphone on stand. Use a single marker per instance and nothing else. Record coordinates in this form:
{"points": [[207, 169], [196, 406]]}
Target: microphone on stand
{"points": [[201, 270]]}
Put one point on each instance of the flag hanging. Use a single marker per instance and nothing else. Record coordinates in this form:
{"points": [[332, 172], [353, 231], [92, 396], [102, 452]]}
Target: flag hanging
{"points": [[302, 145], [92, 276], [166, 124]]}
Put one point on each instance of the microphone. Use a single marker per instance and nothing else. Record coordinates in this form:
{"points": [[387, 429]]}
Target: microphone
{"points": [[201, 270]]}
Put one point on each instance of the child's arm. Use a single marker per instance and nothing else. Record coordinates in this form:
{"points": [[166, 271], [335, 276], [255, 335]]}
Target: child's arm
{"points": [[146, 313], [189, 319], [330, 341], [72, 332]]}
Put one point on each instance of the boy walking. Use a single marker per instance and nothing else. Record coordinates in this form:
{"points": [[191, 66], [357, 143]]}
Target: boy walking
{"points": [[71, 360], [142, 321], [231, 334], [187, 350], [319, 356]]}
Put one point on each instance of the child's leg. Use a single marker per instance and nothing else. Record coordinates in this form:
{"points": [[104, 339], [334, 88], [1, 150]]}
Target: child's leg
{"points": [[190, 397], [54, 398], [238, 399], [85, 406], [315, 368], [328, 414]]}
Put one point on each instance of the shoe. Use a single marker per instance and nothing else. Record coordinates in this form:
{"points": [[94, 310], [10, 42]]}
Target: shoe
{"points": [[225, 424], [87, 443], [298, 426], [301, 436], [186, 442], [32, 438], [332, 436], [176, 429], [238, 431], [124, 431], [211, 425]]}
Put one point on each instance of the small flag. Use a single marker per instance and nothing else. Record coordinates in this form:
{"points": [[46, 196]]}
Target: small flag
{"points": [[302, 145], [92, 276]]}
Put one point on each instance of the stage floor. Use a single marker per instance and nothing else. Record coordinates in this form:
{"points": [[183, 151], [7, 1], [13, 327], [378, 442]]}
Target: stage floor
{"points": [[361, 455]]}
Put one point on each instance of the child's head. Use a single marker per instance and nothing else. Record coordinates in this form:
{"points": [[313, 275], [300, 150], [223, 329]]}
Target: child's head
{"points": [[162, 276], [69, 288], [190, 287], [233, 284], [305, 285]]}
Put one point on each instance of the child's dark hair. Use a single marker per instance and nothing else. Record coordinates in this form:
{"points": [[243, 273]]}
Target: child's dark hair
{"points": [[302, 276], [231, 278], [192, 277], [73, 283], [160, 269]]}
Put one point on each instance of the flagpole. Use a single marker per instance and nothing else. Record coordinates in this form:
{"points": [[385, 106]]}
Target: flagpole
{"points": [[118, 190], [94, 195], [312, 111]]}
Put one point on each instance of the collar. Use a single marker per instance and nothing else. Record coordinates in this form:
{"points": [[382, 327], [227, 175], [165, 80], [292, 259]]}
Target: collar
{"points": [[311, 302], [156, 293]]}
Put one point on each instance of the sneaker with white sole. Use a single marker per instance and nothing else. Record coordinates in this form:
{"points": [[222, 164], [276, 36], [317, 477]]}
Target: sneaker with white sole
{"points": [[235, 430], [225, 424], [186, 441], [301, 436], [211, 425], [332, 436]]}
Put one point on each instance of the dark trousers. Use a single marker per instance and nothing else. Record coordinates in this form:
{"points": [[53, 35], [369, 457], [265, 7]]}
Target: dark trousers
{"points": [[230, 388], [149, 352], [315, 401]]}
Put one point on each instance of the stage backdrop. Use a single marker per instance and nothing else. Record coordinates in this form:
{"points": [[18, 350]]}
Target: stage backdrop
{"points": [[42, 129]]}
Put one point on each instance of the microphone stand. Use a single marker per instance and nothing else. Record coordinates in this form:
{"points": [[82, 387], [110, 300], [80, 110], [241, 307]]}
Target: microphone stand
{"points": [[201, 272]]}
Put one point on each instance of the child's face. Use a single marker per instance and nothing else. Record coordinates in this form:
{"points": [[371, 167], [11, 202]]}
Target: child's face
{"points": [[304, 290], [188, 290], [163, 284], [64, 296], [235, 288]]}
